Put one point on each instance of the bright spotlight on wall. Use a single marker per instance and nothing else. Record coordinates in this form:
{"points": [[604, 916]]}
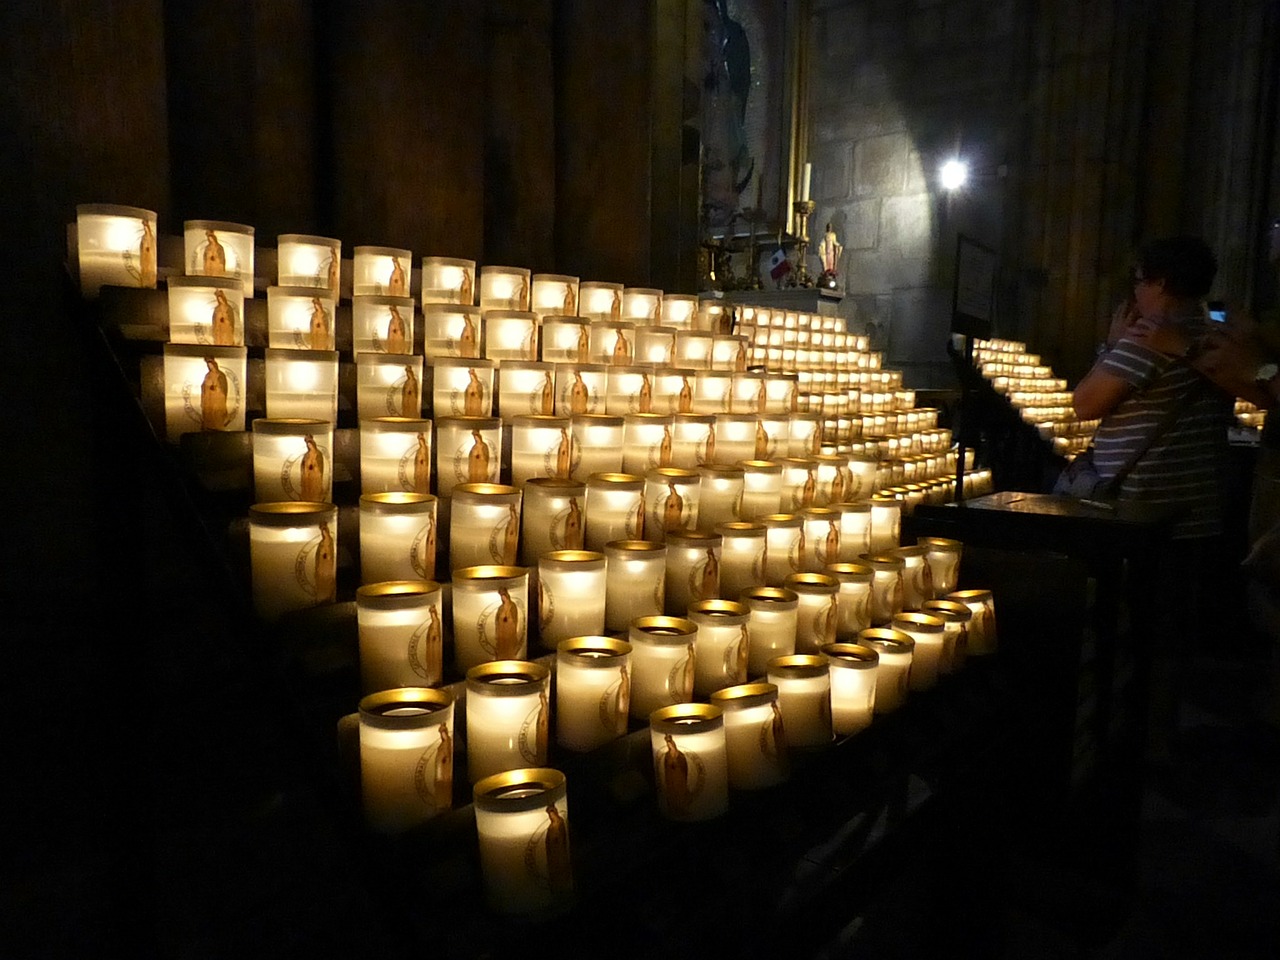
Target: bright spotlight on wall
{"points": [[953, 174]]}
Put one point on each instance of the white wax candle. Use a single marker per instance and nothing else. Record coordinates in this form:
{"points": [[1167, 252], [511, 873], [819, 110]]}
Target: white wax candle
{"points": [[382, 325], [943, 556], [553, 517], [522, 824], [853, 604], [448, 280], [397, 537], [690, 764], [484, 525], [761, 489], [395, 455], [635, 582], [293, 460], [853, 686], [692, 570], [804, 696], [662, 663], [722, 645], [293, 551], [401, 636], [508, 717], [300, 318], [593, 691], [982, 628], [571, 595], [306, 261], [742, 547], [719, 495], [806, 182], [893, 671], [886, 587], [785, 549], [490, 614], [302, 384], [956, 617], [406, 757], [929, 633], [599, 440], [755, 738], [380, 271], [917, 578], [817, 612], [771, 630]]}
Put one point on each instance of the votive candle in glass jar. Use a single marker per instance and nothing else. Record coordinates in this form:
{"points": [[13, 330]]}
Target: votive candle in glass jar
{"points": [[641, 304], [917, 578], [862, 477], [306, 261], [490, 614], [678, 310], [955, 617], [115, 245], [508, 716], [799, 482], [929, 633], [406, 757], [833, 478], [461, 387], [722, 647], [382, 325], [302, 384], [736, 436], [395, 454], [484, 525], [598, 300], [522, 825], [526, 387], [401, 636], [468, 450], [554, 295], [782, 391], [730, 353], [301, 318], [692, 570], [804, 696], [581, 388], [982, 628], [615, 509], [818, 611], [886, 586], [804, 434], [397, 536], [207, 310], [943, 556], [504, 288], [886, 523], [388, 386], [293, 460], [554, 517], [593, 691], [510, 335], [571, 595], [648, 442], [451, 330], [748, 395], [822, 533], [694, 440], [784, 553], [719, 495], [293, 556], [381, 272], [775, 613], [635, 582], [448, 280], [540, 447], [598, 442], [214, 248], [853, 686], [712, 392], [693, 350], [755, 738], [855, 529], [204, 388], [661, 662], [772, 437], [673, 390], [566, 340], [630, 390], [690, 763], [655, 344], [613, 343], [893, 672], [761, 489], [670, 501], [854, 598], [742, 550]]}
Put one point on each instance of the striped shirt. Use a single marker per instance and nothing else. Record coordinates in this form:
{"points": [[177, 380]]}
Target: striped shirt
{"points": [[1182, 467]]}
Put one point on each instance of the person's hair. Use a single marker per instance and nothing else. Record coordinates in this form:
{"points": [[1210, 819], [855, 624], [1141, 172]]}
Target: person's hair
{"points": [[1185, 264]]}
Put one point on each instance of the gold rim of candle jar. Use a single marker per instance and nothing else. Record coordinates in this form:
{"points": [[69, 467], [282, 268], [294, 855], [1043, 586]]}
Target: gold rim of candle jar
{"points": [[593, 651], [322, 294], [637, 418], [701, 419], [462, 421], [770, 467], [853, 506], [394, 501], [480, 491], [883, 561], [850, 656], [617, 481], [785, 521], [553, 485], [743, 695], [741, 528], [285, 426], [519, 791], [693, 536], [540, 420], [828, 513], [909, 552], [573, 559], [818, 583], [493, 678], [798, 666], [375, 708], [964, 596], [396, 594], [886, 640], [599, 420], [923, 622], [661, 629], [488, 573], [948, 610], [669, 473], [850, 572], [778, 598], [388, 424], [291, 354], [719, 611], [686, 718], [642, 549], [721, 471], [196, 281], [285, 513]]}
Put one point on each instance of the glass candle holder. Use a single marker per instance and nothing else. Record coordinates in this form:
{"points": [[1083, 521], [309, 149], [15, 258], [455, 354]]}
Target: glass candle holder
{"points": [[692, 569], [804, 697], [855, 529], [468, 450], [783, 393], [598, 300], [401, 636], [554, 517], [451, 330], [214, 248], [818, 614], [742, 552], [648, 442], [526, 388], [929, 633], [572, 587], [772, 437], [554, 295], [522, 824], [748, 395], [381, 272], [799, 482], [674, 389], [448, 280], [615, 509], [833, 479], [566, 340], [804, 434], [115, 245], [862, 477], [635, 584], [598, 442], [955, 617], [886, 523], [593, 691], [204, 389], [504, 288], [661, 662], [395, 454], [293, 460], [893, 672], [714, 315], [206, 310], [541, 447], [917, 576], [719, 495], [508, 716], [613, 343], [693, 349], [641, 304], [461, 387], [406, 757], [655, 345], [771, 630], [293, 556], [755, 738], [822, 537], [388, 386], [307, 261], [886, 586], [853, 670], [690, 761], [302, 384], [510, 335], [761, 489], [730, 352], [982, 640], [301, 318], [784, 552], [397, 536], [678, 310], [712, 391], [581, 388], [670, 501], [490, 614], [854, 598], [943, 556], [694, 440], [382, 325], [484, 525], [630, 390], [722, 647], [736, 436]]}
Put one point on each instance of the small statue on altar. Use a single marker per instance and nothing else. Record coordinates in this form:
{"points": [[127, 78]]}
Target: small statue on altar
{"points": [[829, 250]]}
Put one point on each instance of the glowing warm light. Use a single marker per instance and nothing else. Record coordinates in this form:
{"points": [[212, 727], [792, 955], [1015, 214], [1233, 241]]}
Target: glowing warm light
{"points": [[953, 174]]}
